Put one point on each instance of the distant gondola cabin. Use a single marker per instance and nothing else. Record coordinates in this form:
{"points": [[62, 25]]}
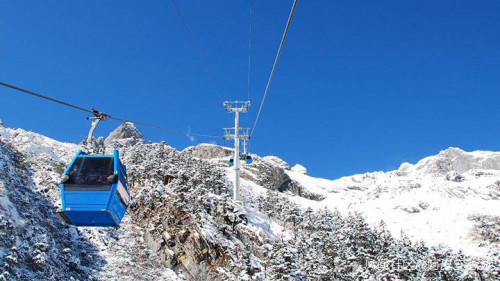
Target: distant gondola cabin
{"points": [[248, 159]]}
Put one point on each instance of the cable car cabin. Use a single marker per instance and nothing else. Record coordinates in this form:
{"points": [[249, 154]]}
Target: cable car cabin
{"points": [[248, 159], [94, 191], [231, 162]]}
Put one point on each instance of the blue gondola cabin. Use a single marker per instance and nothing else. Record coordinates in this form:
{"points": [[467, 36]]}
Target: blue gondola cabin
{"points": [[94, 191]]}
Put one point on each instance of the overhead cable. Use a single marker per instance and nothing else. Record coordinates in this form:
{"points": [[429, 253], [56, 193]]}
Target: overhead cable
{"points": [[197, 50], [249, 50], [93, 111], [275, 63], [45, 97], [249, 47]]}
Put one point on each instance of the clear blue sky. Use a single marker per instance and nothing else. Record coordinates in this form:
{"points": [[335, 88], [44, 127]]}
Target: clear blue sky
{"points": [[361, 85]]}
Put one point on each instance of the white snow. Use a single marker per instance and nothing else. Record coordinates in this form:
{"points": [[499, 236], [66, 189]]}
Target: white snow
{"points": [[37, 145], [415, 199], [299, 169], [247, 188], [418, 199], [431, 200], [7, 208], [125, 252], [280, 231], [276, 161]]}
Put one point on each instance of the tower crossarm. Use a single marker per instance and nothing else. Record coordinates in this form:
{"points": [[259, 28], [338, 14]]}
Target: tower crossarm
{"points": [[236, 106]]}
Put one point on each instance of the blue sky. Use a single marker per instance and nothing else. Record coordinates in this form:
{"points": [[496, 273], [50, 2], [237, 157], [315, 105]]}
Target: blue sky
{"points": [[360, 86]]}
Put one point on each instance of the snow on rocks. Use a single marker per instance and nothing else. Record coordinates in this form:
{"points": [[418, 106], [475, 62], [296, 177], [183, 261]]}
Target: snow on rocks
{"points": [[125, 135], [431, 200], [299, 169], [271, 174], [455, 159], [36, 245], [276, 161], [209, 151], [183, 224]]}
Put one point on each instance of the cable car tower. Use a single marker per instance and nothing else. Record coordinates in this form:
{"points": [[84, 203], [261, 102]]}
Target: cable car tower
{"points": [[236, 133]]}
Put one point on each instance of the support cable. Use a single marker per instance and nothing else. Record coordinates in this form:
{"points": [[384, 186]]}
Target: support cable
{"points": [[45, 97], [249, 51], [249, 48], [197, 50], [275, 63], [93, 111]]}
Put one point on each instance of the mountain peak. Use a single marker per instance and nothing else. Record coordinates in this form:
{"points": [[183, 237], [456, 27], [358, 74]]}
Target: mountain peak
{"points": [[456, 159], [275, 160], [126, 133]]}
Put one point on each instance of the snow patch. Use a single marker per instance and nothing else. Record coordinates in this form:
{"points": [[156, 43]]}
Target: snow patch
{"points": [[299, 169]]}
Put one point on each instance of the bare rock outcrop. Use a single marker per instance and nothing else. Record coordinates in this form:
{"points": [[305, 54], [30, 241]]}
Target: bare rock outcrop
{"points": [[276, 161], [455, 159], [124, 135], [270, 173], [208, 151]]}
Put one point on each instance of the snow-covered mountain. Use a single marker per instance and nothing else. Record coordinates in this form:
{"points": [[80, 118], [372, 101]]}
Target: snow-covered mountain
{"points": [[183, 224], [442, 199]]}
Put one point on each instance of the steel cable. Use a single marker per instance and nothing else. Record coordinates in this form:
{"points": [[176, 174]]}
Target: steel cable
{"points": [[249, 48], [275, 63], [107, 116], [197, 50]]}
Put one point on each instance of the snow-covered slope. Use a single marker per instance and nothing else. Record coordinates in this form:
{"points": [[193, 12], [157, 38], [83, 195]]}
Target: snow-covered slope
{"points": [[436, 200], [183, 224], [187, 224], [35, 245]]}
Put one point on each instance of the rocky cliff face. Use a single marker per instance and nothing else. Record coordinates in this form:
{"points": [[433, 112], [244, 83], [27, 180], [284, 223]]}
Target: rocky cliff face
{"points": [[190, 220], [209, 151], [270, 172]]}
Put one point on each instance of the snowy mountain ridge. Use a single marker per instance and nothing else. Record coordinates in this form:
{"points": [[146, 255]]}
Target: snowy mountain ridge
{"points": [[434, 200], [183, 224], [455, 159]]}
